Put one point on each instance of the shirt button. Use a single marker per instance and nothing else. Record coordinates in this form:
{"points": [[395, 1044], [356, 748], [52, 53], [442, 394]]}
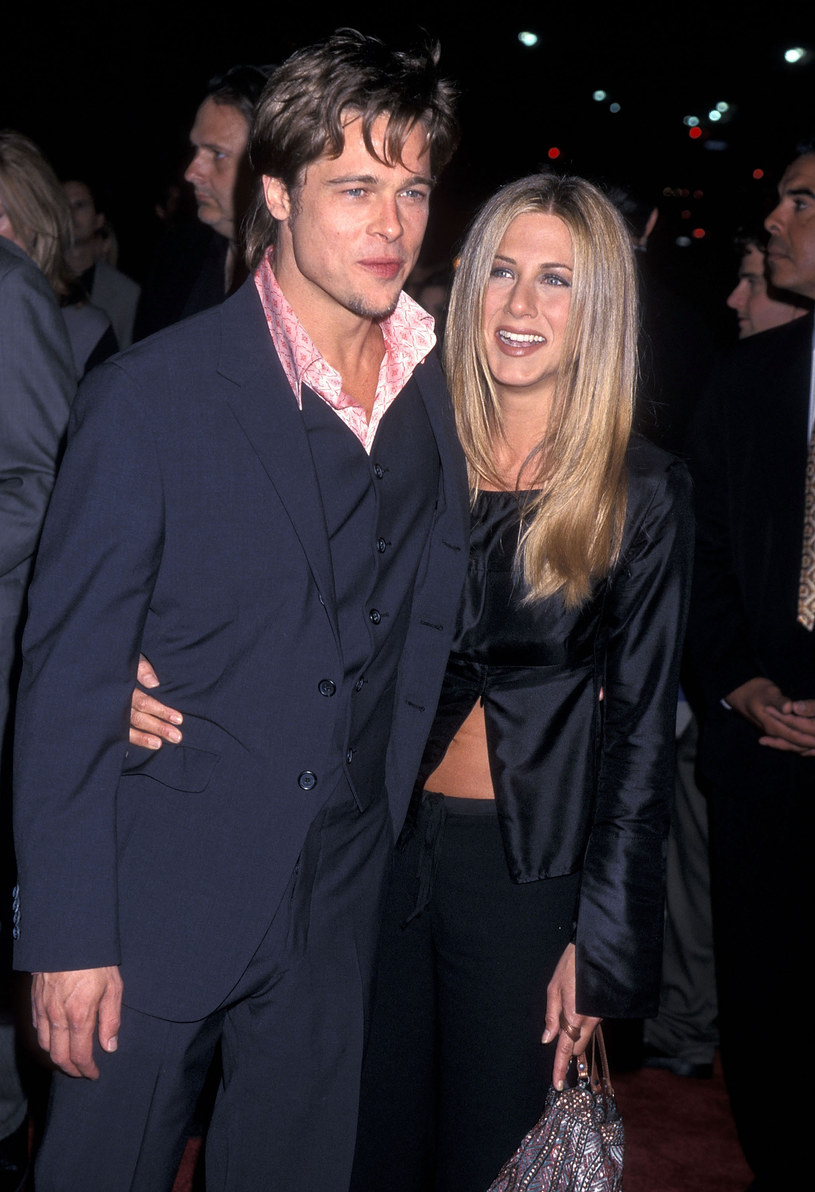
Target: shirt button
{"points": [[378, 472], [326, 687], [307, 780], [375, 616], [381, 545]]}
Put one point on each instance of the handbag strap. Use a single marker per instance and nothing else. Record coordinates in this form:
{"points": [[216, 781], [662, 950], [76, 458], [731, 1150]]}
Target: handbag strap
{"points": [[598, 1078]]}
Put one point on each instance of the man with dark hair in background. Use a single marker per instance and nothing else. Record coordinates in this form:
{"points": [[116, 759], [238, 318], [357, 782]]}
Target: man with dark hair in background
{"points": [[752, 647], [198, 265], [270, 503], [759, 305]]}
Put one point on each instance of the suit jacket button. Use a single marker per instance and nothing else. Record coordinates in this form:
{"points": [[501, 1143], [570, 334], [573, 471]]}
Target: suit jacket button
{"points": [[378, 472], [349, 757], [326, 687], [375, 616], [381, 545], [360, 683], [307, 780]]}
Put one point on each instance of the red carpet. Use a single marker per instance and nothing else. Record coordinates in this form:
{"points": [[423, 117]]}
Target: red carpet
{"points": [[679, 1134]]}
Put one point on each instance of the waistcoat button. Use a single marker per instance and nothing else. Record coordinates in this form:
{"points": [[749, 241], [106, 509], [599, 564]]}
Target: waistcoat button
{"points": [[326, 687], [381, 545], [307, 780]]}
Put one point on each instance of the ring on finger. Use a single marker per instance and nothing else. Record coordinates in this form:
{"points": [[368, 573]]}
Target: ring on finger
{"points": [[569, 1027]]}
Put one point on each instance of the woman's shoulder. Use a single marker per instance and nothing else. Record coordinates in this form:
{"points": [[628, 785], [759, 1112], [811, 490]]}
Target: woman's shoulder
{"points": [[651, 468], [659, 489]]}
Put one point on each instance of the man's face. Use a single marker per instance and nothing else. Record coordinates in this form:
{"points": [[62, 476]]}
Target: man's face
{"points": [[350, 234], [757, 310], [791, 251], [86, 222], [219, 137]]}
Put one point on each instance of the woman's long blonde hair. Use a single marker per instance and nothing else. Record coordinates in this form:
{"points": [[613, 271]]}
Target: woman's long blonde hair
{"points": [[573, 528], [38, 209]]}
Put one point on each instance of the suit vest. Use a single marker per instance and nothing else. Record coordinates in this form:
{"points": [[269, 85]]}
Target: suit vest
{"points": [[379, 511]]}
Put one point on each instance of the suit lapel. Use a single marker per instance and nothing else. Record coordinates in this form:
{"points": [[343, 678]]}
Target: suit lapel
{"points": [[454, 502], [264, 405]]}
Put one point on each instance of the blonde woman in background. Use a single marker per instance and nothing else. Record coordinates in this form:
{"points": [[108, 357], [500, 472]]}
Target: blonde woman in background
{"points": [[35, 215]]}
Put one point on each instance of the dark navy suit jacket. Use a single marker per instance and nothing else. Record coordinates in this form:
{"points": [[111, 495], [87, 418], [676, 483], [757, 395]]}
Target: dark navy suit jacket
{"points": [[749, 453], [187, 523]]}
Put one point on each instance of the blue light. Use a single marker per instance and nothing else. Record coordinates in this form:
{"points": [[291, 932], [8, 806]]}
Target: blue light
{"points": [[528, 39]]}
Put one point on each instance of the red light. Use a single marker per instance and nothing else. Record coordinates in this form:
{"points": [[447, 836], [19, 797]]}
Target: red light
{"points": [[554, 152], [684, 214], [758, 174], [694, 133], [698, 233]]}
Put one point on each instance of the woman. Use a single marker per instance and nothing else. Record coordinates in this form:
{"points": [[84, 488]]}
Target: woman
{"points": [[526, 900], [35, 215]]}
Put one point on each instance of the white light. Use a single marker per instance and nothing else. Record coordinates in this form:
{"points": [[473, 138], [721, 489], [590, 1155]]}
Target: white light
{"points": [[528, 39], [614, 107], [795, 54], [684, 241], [714, 115], [691, 121], [599, 96], [721, 106]]}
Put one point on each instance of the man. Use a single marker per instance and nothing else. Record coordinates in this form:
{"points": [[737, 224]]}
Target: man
{"points": [[37, 384], [291, 567], [199, 265], [753, 656], [684, 1037], [757, 305], [107, 287]]}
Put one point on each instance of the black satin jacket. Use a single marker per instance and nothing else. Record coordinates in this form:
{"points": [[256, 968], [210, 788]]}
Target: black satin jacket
{"points": [[583, 782]]}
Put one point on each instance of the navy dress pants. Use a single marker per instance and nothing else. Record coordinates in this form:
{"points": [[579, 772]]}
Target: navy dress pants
{"points": [[291, 1035]]}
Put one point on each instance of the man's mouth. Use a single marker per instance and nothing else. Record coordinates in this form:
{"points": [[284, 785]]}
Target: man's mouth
{"points": [[385, 267]]}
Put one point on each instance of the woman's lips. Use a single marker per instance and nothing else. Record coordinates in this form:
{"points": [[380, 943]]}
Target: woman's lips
{"points": [[519, 343]]}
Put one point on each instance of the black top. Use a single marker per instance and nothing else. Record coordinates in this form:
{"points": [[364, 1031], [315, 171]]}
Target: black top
{"points": [[580, 782]]}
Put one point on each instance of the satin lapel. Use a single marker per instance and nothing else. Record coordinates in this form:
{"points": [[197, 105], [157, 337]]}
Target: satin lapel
{"points": [[264, 405]]}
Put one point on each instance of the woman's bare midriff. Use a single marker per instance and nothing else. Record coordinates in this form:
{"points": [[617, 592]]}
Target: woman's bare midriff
{"points": [[464, 771]]}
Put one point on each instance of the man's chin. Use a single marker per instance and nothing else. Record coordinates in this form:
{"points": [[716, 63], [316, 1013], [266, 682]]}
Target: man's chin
{"points": [[368, 309]]}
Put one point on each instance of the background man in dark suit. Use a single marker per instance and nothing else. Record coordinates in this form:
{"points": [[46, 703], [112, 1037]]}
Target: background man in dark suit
{"points": [[291, 567], [37, 384], [198, 264], [754, 661]]}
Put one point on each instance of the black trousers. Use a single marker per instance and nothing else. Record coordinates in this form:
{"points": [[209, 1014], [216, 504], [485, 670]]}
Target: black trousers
{"points": [[761, 887], [291, 1036], [455, 1072]]}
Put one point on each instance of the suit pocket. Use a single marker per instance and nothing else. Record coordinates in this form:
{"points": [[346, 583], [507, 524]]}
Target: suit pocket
{"points": [[177, 766]]}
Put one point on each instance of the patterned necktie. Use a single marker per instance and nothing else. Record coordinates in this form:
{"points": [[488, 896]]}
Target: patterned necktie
{"points": [[806, 586]]}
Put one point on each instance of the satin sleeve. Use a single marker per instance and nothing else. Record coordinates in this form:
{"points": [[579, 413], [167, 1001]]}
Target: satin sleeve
{"points": [[620, 914]]}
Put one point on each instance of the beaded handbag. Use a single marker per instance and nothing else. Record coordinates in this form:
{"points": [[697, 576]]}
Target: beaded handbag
{"points": [[577, 1146]]}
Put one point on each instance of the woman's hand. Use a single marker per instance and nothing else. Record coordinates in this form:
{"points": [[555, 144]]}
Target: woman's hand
{"points": [[151, 721], [572, 1030]]}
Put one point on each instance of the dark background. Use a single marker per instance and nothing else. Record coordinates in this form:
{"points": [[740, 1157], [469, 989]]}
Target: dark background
{"points": [[109, 93]]}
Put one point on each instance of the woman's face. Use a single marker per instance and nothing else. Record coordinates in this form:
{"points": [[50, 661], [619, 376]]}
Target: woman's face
{"points": [[526, 306]]}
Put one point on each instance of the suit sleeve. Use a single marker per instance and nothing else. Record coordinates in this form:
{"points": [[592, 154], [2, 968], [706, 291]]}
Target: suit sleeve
{"points": [[720, 654], [96, 568], [619, 928], [37, 385]]}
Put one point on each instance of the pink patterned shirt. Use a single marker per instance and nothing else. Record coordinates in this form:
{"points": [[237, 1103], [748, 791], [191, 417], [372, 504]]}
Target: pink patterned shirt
{"points": [[408, 335]]}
